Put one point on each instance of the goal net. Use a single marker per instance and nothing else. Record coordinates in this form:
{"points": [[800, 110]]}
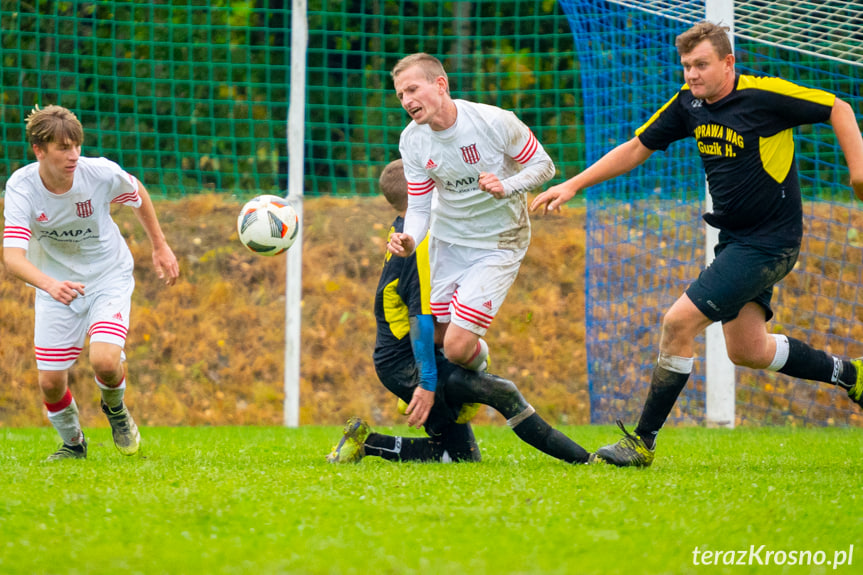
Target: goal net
{"points": [[644, 231]]}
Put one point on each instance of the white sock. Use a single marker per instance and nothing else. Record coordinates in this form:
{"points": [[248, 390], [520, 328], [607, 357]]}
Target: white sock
{"points": [[67, 424], [781, 355]]}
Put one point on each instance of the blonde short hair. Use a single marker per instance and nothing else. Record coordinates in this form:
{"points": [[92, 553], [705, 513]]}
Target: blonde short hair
{"points": [[431, 66]]}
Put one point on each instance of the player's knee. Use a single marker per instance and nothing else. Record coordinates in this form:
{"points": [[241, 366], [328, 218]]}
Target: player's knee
{"points": [[53, 384], [107, 366], [508, 399], [746, 355], [505, 389], [498, 393], [471, 354], [676, 329], [457, 352]]}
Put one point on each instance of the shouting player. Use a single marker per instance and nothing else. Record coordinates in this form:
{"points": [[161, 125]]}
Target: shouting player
{"points": [[60, 238], [743, 126], [481, 161]]}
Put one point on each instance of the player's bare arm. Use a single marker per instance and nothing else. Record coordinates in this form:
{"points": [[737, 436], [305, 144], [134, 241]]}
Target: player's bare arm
{"points": [[401, 244], [844, 124], [19, 266], [620, 160], [164, 260]]}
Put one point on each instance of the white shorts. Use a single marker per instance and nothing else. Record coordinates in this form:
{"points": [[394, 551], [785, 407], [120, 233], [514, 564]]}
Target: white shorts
{"points": [[61, 329], [468, 285]]}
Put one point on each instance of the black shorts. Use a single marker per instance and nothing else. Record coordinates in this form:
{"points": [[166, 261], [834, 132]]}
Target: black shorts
{"points": [[740, 274]]}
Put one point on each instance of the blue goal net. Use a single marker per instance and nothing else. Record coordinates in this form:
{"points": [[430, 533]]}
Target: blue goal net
{"points": [[645, 236]]}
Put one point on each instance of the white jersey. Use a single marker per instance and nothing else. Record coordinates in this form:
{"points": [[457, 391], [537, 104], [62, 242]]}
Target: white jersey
{"points": [[72, 236], [483, 139]]}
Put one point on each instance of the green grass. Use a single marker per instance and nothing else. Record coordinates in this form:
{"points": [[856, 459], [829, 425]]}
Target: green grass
{"points": [[223, 500]]}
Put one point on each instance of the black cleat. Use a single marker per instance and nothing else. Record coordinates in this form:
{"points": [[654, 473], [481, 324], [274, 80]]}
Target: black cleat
{"points": [[67, 451]]}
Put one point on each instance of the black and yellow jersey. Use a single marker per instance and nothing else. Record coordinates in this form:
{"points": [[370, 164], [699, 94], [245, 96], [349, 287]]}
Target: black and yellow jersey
{"points": [[402, 292], [746, 145]]}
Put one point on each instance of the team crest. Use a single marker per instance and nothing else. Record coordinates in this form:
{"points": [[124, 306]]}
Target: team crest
{"points": [[84, 209], [469, 154]]}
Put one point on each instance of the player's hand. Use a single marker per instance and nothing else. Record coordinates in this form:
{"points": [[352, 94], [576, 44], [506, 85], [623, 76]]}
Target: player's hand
{"points": [[65, 291], [419, 407], [166, 264], [553, 198], [401, 245], [489, 183]]}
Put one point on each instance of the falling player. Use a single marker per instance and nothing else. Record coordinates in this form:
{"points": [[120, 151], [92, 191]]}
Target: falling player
{"points": [[408, 364]]}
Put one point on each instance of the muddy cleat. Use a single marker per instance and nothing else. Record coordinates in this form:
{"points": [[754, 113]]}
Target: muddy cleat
{"points": [[127, 439], [351, 448], [856, 392], [630, 451], [66, 451]]}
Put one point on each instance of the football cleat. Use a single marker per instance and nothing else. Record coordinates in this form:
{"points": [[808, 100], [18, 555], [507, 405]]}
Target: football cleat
{"points": [[856, 392], [351, 448], [127, 439], [66, 451], [630, 451]]}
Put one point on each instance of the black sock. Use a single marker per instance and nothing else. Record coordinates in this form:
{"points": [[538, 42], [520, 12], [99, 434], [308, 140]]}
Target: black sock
{"points": [[665, 387], [806, 362], [848, 379], [537, 432], [394, 448]]}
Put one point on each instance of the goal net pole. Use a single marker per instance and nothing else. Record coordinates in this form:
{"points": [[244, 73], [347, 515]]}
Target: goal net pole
{"points": [[719, 371], [294, 267]]}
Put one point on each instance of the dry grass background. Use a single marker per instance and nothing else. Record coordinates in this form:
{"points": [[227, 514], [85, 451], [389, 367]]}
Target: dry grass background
{"points": [[210, 350]]}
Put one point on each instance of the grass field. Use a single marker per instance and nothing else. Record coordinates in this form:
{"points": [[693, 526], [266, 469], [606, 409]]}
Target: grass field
{"points": [[262, 500]]}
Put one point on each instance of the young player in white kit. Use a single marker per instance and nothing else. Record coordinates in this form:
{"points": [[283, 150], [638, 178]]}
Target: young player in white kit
{"points": [[469, 167], [60, 238]]}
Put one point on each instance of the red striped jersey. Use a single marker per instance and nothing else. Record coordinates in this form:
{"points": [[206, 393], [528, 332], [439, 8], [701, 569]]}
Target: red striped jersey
{"points": [[444, 166], [71, 236]]}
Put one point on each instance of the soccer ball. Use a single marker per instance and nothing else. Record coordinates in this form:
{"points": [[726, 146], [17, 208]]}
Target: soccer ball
{"points": [[268, 225]]}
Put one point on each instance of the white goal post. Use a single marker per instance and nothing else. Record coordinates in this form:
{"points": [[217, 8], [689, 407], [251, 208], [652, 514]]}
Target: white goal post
{"points": [[294, 268], [719, 387]]}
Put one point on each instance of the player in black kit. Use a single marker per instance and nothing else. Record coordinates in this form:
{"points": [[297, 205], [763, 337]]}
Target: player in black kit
{"points": [[742, 125], [406, 359]]}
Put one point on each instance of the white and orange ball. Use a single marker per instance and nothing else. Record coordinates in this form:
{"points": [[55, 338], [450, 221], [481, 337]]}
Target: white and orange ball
{"points": [[268, 225]]}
